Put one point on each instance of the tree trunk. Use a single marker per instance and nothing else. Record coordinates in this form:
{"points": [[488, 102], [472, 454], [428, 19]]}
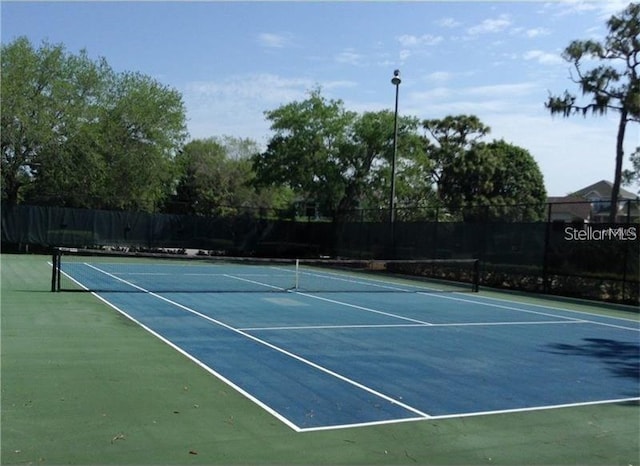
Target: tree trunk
{"points": [[11, 188], [615, 190]]}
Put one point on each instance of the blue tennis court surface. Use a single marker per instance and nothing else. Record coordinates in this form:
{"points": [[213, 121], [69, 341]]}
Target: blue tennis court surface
{"points": [[336, 359]]}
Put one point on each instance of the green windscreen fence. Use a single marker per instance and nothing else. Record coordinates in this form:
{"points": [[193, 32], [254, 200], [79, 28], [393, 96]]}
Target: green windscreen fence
{"points": [[595, 261], [52, 226]]}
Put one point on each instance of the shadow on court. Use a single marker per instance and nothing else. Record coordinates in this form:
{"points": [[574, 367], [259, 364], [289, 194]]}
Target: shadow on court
{"points": [[621, 357]]}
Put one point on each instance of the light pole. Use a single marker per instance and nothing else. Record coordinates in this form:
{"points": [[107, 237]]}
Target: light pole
{"points": [[392, 198]]}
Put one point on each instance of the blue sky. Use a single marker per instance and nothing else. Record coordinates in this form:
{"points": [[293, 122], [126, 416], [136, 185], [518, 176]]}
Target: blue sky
{"points": [[234, 60]]}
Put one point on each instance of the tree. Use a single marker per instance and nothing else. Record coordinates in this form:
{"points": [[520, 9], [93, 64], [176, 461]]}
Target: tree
{"points": [[141, 128], [75, 133], [613, 85], [479, 179], [494, 180], [633, 175], [367, 159], [333, 157], [47, 97], [204, 176], [373, 135], [216, 178], [305, 151], [449, 139]]}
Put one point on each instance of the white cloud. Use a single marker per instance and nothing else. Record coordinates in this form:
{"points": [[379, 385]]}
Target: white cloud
{"points": [[448, 23], [267, 87], [263, 87], [544, 58], [612, 7], [604, 9], [491, 25], [349, 57], [481, 107], [537, 32], [501, 90], [235, 106], [271, 40], [425, 40], [432, 95], [439, 76]]}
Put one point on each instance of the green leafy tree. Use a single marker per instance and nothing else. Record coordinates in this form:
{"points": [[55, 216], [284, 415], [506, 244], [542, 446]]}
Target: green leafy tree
{"points": [[216, 178], [141, 129], [612, 85], [373, 136], [495, 180], [476, 179], [49, 100], [204, 178], [75, 133], [367, 143], [367, 158], [449, 139], [333, 157], [305, 152], [633, 175]]}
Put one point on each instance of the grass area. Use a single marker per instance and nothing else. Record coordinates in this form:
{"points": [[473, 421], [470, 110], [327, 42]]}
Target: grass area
{"points": [[83, 385]]}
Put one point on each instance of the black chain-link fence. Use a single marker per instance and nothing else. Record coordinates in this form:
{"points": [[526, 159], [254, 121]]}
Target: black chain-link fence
{"points": [[563, 256]]}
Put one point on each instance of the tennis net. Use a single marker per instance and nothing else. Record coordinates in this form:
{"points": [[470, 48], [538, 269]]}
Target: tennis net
{"points": [[124, 271]]}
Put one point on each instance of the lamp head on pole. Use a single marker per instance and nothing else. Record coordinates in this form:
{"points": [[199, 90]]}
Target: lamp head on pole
{"points": [[396, 78]]}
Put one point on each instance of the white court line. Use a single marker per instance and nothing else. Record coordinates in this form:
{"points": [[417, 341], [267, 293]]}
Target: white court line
{"points": [[555, 308], [235, 277], [460, 324], [274, 347], [479, 413], [362, 308], [540, 408], [518, 309]]}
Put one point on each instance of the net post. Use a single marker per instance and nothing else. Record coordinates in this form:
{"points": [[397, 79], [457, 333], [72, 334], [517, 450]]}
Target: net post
{"points": [[59, 271], [54, 269], [297, 274]]}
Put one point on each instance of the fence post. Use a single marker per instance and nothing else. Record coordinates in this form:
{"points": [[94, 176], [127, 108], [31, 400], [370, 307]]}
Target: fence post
{"points": [[434, 248], [545, 258]]}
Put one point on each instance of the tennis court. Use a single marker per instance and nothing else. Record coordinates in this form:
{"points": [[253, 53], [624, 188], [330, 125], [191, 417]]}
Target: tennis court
{"points": [[332, 348]]}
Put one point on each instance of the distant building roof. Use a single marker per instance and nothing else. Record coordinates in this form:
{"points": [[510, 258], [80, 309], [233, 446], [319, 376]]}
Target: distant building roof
{"points": [[602, 190], [569, 208]]}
